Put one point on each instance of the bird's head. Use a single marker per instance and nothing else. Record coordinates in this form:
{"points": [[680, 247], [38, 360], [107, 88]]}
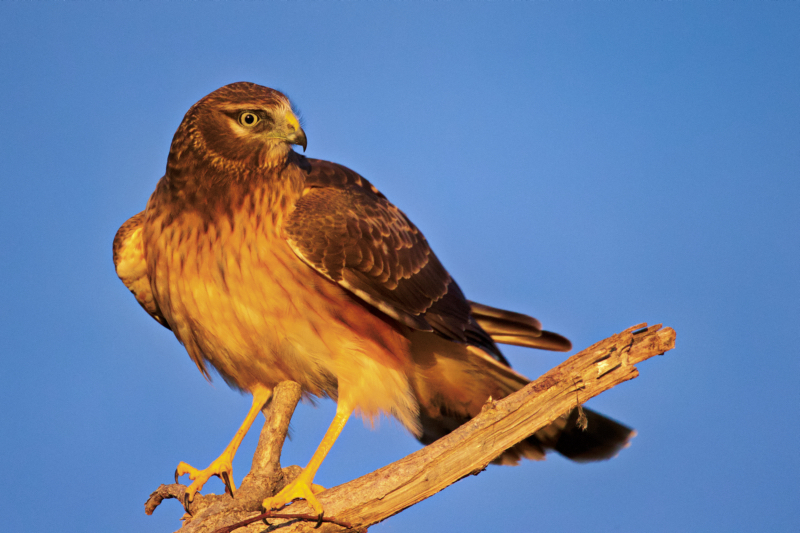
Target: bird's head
{"points": [[238, 126]]}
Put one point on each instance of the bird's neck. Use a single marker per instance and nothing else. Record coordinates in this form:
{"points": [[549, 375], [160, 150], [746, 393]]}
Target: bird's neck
{"points": [[212, 192]]}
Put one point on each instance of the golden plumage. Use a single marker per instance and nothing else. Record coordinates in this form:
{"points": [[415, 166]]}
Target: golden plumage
{"points": [[269, 266]]}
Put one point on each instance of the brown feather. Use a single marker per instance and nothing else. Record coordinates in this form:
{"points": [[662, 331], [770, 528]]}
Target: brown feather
{"points": [[269, 266], [508, 327], [131, 267]]}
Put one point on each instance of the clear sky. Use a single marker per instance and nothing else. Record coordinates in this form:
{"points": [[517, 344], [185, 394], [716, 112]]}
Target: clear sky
{"points": [[594, 164]]}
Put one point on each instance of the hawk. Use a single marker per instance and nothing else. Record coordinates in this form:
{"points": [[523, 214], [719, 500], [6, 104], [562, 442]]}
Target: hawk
{"points": [[270, 266]]}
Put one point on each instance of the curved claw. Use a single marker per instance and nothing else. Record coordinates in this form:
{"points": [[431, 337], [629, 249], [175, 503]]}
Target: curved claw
{"points": [[300, 488], [319, 520], [220, 467], [226, 479], [186, 501]]}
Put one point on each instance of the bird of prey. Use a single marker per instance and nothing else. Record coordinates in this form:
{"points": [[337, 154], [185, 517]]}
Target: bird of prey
{"points": [[269, 266]]}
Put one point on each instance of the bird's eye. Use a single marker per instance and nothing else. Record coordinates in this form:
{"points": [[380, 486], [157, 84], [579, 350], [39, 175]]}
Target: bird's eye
{"points": [[248, 119]]}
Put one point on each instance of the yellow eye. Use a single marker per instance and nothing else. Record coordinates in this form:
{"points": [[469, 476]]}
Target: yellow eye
{"points": [[248, 119]]}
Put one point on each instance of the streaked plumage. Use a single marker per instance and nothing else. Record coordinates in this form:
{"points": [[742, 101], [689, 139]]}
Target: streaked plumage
{"points": [[269, 266]]}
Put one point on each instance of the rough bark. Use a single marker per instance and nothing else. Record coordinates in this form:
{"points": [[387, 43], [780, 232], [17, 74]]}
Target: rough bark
{"points": [[468, 450]]}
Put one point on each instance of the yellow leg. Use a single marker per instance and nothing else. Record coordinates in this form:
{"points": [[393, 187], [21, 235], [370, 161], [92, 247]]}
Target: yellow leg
{"points": [[222, 465], [303, 486]]}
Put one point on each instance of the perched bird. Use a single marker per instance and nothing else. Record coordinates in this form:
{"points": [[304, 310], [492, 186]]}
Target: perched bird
{"points": [[269, 266]]}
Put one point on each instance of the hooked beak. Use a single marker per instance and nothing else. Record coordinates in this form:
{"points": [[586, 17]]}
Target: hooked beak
{"points": [[298, 137]]}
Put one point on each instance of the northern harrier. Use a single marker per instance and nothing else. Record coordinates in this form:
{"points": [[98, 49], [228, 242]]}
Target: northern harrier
{"points": [[269, 266]]}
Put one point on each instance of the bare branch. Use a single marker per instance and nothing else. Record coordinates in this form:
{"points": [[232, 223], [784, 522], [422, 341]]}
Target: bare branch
{"points": [[468, 450], [266, 473]]}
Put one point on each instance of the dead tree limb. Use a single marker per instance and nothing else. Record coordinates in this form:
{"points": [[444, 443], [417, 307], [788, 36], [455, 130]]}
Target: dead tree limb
{"points": [[468, 450]]}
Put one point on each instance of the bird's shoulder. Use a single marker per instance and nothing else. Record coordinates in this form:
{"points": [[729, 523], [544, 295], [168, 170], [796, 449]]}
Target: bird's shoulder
{"points": [[352, 234], [326, 174], [131, 265]]}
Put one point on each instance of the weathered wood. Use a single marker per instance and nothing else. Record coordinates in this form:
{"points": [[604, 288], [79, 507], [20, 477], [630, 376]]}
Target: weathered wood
{"points": [[468, 450]]}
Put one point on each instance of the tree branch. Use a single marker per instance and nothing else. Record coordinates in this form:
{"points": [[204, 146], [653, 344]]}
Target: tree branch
{"points": [[468, 450]]}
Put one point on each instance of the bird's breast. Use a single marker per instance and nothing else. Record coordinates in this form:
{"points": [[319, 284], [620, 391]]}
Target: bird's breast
{"points": [[238, 297]]}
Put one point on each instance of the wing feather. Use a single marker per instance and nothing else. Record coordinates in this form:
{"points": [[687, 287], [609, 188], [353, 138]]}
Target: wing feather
{"points": [[350, 233], [508, 327], [131, 266]]}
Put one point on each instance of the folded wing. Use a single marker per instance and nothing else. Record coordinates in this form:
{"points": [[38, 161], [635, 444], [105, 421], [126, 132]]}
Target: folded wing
{"points": [[131, 266]]}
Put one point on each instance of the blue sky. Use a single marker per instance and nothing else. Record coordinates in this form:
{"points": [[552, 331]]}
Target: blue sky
{"points": [[594, 164]]}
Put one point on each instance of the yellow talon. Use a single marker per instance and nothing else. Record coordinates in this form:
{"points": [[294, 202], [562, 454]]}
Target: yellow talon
{"points": [[222, 465], [303, 486], [299, 488]]}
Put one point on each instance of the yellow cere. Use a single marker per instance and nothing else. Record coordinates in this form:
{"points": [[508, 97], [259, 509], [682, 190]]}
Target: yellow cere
{"points": [[292, 120]]}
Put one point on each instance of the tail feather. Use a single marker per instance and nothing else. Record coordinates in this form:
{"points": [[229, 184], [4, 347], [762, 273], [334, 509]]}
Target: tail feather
{"points": [[600, 438], [452, 382]]}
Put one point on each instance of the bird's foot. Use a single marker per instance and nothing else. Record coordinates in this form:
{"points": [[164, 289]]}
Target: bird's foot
{"points": [[300, 487], [220, 467]]}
